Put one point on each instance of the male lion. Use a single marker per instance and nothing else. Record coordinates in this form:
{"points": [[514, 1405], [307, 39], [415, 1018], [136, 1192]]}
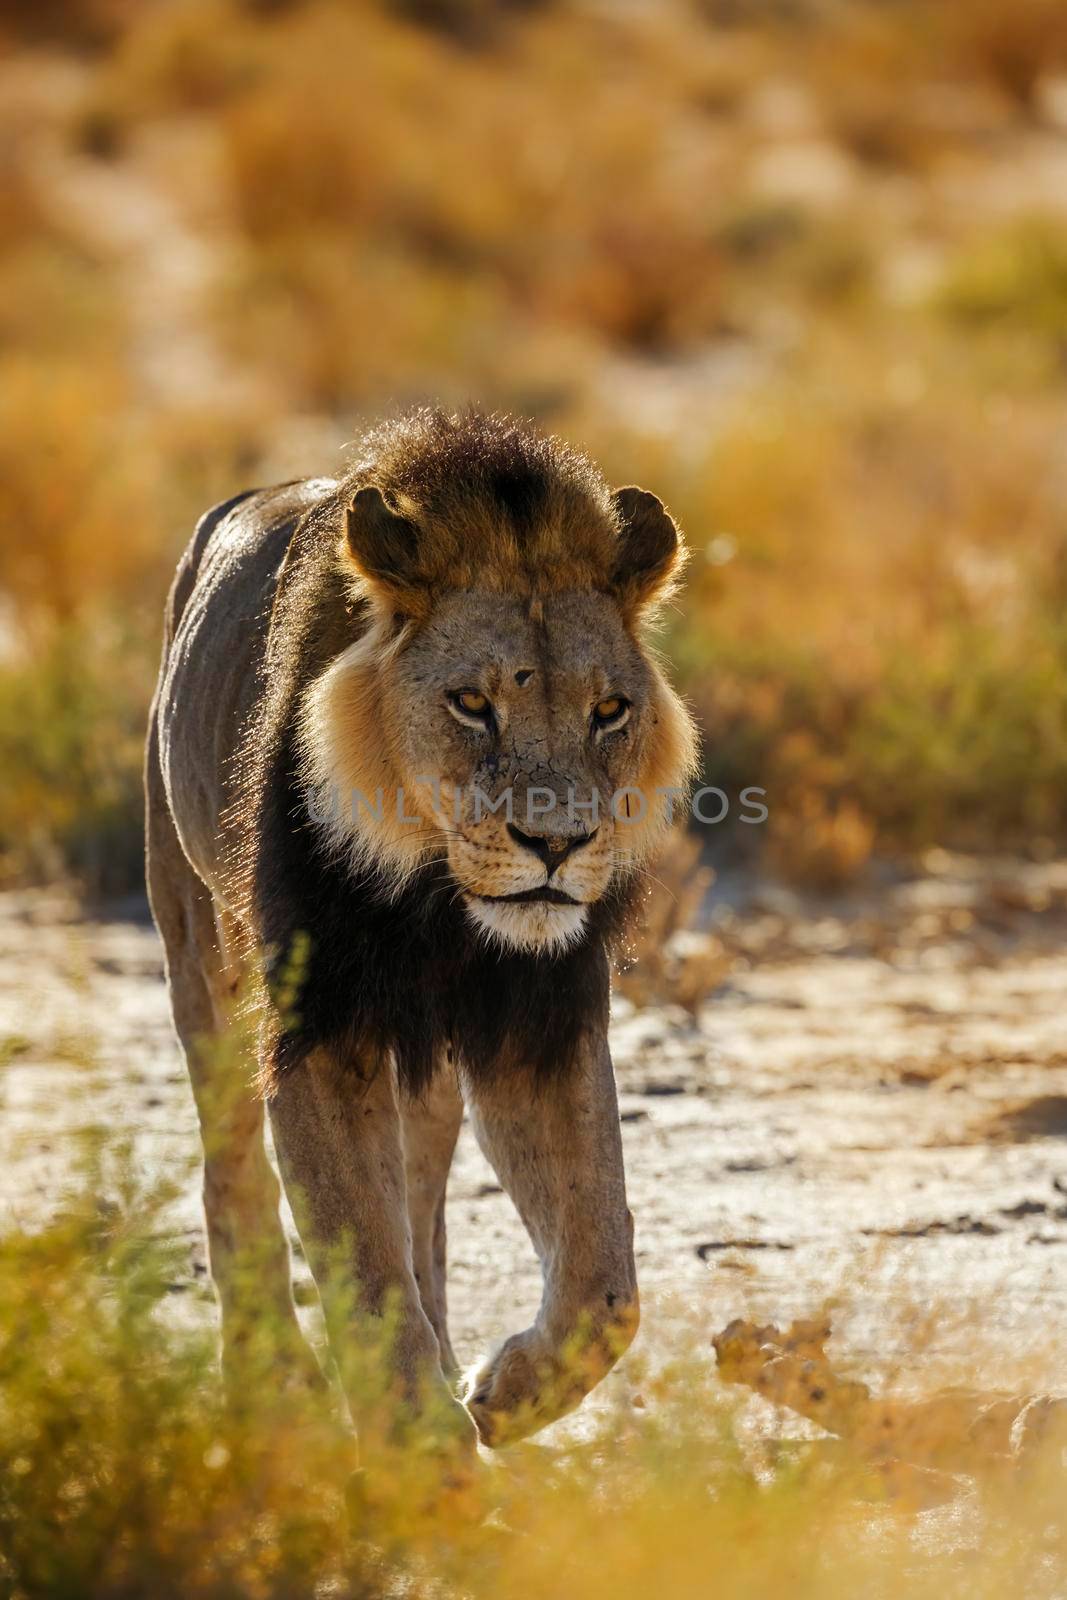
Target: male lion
{"points": [[395, 719]]}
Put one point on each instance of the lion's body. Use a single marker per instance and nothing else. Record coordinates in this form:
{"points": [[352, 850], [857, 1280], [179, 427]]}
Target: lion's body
{"points": [[213, 662], [324, 640]]}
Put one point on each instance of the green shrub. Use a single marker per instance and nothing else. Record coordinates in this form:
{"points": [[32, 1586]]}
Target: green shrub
{"points": [[72, 724]]}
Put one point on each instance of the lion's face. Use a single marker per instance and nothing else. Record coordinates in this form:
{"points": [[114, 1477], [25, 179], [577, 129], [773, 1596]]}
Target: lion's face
{"points": [[541, 733], [501, 713]]}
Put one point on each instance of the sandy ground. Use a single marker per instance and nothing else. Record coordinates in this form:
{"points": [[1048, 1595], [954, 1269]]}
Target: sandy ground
{"points": [[870, 1110]]}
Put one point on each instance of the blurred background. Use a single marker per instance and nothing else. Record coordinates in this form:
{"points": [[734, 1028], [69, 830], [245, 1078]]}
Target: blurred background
{"points": [[798, 265]]}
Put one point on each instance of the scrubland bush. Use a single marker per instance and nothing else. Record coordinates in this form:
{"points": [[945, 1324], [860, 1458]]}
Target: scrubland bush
{"points": [[1014, 281], [72, 720], [126, 1473], [719, 246]]}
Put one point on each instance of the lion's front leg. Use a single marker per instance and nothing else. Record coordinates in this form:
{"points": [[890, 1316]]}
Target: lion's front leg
{"points": [[431, 1123], [337, 1134], [558, 1152]]}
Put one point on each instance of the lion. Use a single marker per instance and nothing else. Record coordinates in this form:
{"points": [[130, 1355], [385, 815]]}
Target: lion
{"points": [[408, 756]]}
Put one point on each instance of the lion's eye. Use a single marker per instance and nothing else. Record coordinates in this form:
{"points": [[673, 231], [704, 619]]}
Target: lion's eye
{"points": [[470, 706], [612, 712]]}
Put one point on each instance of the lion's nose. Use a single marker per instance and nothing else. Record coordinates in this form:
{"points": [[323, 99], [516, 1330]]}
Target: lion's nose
{"points": [[553, 851]]}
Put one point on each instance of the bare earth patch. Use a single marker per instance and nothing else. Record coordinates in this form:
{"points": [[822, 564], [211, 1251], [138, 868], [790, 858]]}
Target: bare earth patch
{"points": [[867, 1116]]}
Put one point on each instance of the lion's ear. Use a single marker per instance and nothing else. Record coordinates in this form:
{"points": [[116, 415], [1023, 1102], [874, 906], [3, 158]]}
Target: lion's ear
{"points": [[384, 547], [649, 552]]}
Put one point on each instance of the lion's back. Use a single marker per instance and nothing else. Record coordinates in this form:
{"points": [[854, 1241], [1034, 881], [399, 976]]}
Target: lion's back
{"points": [[216, 630]]}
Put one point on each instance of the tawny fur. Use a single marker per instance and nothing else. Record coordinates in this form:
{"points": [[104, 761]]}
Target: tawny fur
{"points": [[315, 634]]}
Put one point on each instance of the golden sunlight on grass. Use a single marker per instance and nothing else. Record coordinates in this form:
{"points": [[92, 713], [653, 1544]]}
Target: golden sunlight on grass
{"points": [[773, 269], [125, 1473]]}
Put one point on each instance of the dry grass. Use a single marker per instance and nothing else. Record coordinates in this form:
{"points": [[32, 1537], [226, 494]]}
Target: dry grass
{"points": [[125, 1473], [769, 270], [672, 962]]}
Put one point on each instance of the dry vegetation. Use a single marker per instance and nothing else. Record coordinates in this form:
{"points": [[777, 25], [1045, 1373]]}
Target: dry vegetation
{"points": [[125, 1474], [800, 265], [803, 267]]}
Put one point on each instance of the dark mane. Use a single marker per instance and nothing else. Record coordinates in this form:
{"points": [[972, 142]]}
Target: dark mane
{"points": [[367, 973], [444, 463], [497, 502]]}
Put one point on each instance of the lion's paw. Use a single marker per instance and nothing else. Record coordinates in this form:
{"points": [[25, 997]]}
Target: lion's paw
{"points": [[509, 1396], [529, 1383]]}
